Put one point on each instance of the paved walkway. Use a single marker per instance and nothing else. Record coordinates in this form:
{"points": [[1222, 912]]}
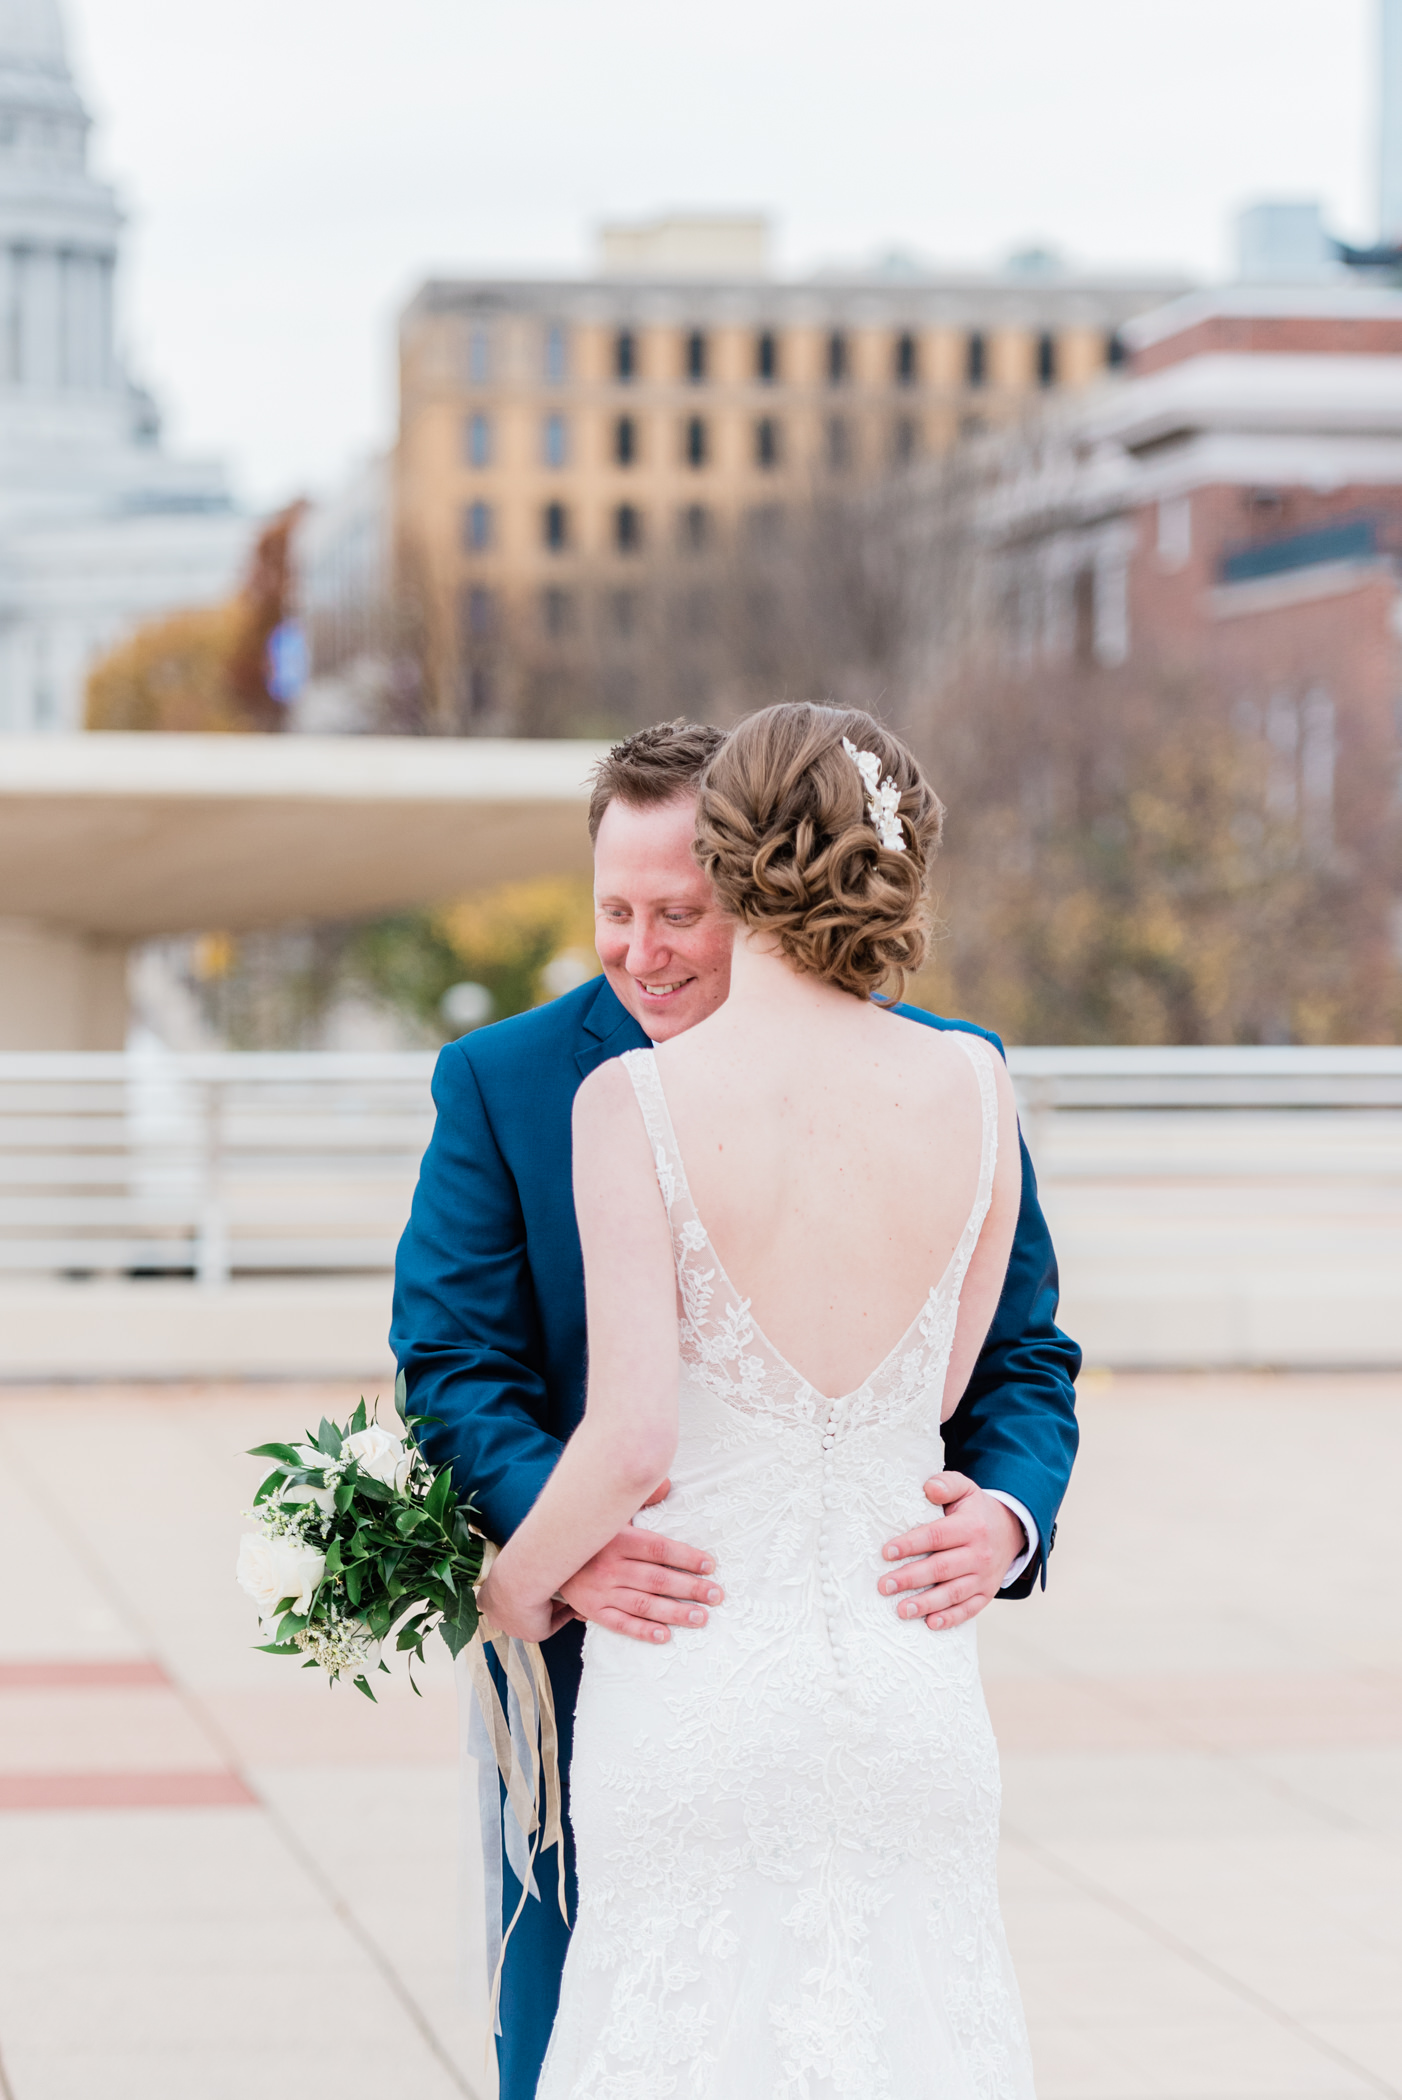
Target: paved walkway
{"points": [[217, 1877]]}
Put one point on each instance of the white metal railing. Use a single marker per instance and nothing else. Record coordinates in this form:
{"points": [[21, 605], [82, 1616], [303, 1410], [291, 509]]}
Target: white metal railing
{"points": [[215, 1166], [207, 1166]]}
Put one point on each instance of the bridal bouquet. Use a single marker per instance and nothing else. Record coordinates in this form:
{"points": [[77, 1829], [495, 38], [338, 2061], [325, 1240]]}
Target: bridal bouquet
{"points": [[358, 1536]]}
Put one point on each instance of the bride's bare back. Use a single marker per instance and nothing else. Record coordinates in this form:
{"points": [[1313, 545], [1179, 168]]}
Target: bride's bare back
{"points": [[832, 1150]]}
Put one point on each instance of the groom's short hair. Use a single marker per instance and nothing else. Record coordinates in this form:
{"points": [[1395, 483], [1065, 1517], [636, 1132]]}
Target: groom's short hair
{"points": [[653, 767]]}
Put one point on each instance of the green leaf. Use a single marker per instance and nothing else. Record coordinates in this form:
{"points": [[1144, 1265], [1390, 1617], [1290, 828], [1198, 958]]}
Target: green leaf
{"points": [[353, 1584], [278, 1648], [458, 1627], [401, 1398], [283, 1451], [362, 1686], [357, 1420], [328, 1439], [345, 1495], [333, 1557], [440, 1495]]}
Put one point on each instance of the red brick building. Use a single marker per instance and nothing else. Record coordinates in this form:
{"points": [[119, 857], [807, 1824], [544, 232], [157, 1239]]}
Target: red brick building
{"points": [[1233, 508]]}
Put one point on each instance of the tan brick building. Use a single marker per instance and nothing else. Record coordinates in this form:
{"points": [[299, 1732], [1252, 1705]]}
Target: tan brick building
{"points": [[564, 443]]}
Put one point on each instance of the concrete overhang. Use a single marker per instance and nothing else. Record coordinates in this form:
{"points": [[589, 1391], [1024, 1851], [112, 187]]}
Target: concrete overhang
{"points": [[1354, 396], [125, 838]]}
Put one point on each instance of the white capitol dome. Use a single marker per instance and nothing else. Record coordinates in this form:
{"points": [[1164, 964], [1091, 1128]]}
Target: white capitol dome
{"points": [[99, 526], [31, 33]]}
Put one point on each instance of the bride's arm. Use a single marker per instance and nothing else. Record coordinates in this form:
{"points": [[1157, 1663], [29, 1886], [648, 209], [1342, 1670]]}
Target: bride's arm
{"points": [[625, 1444]]}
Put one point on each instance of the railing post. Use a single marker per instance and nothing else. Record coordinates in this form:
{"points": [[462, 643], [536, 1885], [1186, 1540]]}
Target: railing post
{"points": [[212, 1251]]}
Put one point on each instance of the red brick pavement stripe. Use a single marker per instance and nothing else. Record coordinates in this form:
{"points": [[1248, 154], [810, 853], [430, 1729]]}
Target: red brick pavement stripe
{"points": [[117, 1675], [36, 1790]]}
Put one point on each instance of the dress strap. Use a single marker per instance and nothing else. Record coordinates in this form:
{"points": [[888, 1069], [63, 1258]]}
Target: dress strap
{"points": [[981, 1055], [641, 1067]]}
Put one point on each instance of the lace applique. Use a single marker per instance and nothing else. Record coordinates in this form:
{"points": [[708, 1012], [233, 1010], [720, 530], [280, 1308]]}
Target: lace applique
{"points": [[720, 1342]]}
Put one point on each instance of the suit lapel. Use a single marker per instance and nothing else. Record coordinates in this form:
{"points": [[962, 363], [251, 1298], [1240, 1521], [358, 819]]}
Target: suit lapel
{"points": [[607, 1029]]}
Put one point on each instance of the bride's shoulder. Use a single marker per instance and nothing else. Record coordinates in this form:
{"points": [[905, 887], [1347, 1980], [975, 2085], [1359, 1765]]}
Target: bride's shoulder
{"points": [[948, 1034], [607, 1094], [944, 1050]]}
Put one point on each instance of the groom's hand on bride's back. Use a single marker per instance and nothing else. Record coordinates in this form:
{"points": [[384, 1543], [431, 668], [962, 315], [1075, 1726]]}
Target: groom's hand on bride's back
{"points": [[955, 1565], [641, 1583]]}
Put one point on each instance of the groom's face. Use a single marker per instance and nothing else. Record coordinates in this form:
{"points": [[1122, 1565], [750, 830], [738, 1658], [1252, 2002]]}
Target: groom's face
{"points": [[664, 943]]}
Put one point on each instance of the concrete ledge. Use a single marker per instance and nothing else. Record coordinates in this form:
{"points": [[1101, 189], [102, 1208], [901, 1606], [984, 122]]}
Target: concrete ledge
{"points": [[1176, 1320], [1172, 1318], [287, 1327]]}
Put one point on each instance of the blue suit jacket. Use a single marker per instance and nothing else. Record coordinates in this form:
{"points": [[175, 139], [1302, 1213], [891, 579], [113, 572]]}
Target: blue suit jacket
{"points": [[489, 1324]]}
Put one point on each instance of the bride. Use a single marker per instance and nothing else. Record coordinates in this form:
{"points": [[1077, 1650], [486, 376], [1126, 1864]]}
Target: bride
{"points": [[795, 1218]]}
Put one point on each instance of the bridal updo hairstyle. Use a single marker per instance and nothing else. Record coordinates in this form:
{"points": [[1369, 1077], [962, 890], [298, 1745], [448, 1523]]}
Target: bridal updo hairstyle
{"points": [[783, 832]]}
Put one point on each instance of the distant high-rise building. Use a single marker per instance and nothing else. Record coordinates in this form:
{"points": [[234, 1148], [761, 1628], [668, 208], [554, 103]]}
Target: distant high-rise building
{"points": [[99, 527], [1390, 122], [562, 439]]}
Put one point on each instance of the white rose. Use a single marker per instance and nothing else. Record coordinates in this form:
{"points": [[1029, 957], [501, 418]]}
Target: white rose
{"points": [[315, 1462], [273, 1568], [381, 1454]]}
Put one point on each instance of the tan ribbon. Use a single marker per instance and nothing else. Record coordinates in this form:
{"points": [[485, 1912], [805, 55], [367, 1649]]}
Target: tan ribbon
{"points": [[523, 1666]]}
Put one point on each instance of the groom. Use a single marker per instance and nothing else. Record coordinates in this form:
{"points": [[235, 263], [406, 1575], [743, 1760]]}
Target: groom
{"points": [[489, 1324]]}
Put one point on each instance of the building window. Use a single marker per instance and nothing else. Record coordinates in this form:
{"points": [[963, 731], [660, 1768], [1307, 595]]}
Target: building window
{"points": [[554, 441], [694, 528], [477, 527], [767, 444], [1317, 759], [627, 528], [479, 354], [694, 441], [905, 441], [767, 357], [477, 440], [557, 612], [976, 359], [697, 614], [479, 613], [625, 355], [765, 525], [1175, 531], [837, 358], [695, 356], [907, 360], [839, 444], [1116, 352], [625, 441], [481, 694], [555, 527], [1046, 359], [557, 359]]}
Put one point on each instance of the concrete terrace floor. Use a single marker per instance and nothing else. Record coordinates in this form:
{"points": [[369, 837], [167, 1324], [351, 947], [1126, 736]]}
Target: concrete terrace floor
{"points": [[218, 1877]]}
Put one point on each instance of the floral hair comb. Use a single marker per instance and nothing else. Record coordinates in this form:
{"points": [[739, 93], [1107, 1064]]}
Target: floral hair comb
{"points": [[883, 802]]}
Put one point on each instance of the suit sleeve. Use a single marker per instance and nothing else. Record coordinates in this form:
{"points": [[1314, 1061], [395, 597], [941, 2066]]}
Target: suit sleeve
{"points": [[464, 1330], [1015, 1427]]}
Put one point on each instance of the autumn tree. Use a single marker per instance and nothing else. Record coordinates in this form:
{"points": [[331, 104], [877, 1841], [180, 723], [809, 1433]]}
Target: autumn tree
{"points": [[205, 669]]}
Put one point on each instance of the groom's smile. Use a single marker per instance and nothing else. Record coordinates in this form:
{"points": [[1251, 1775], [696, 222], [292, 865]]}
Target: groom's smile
{"points": [[664, 944]]}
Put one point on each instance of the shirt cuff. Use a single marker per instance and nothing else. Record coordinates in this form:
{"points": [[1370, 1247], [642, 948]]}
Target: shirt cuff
{"points": [[1024, 1518]]}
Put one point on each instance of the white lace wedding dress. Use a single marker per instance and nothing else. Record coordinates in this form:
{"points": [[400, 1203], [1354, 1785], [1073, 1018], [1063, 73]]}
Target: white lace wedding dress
{"points": [[787, 1821]]}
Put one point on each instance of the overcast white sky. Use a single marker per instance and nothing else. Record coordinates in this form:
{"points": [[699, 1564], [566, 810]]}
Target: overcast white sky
{"points": [[291, 168]]}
